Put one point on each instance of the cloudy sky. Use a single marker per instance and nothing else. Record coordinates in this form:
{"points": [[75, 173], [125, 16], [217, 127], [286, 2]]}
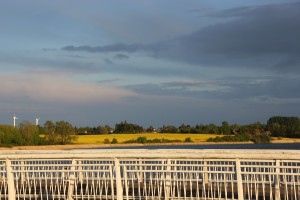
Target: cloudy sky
{"points": [[150, 62]]}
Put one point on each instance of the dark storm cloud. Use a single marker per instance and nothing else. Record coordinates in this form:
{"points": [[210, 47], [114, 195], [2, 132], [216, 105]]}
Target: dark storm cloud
{"points": [[121, 56], [266, 36], [130, 48], [282, 89], [257, 37], [108, 61], [279, 87]]}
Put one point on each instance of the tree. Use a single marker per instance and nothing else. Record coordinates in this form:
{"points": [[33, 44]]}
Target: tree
{"points": [[50, 136], [65, 132], [125, 127], [284, 126], [169, 129], [225, 128], [103, 129], [10, 135], [185, 128], [235, 128], [29, 133], [212, 129]]}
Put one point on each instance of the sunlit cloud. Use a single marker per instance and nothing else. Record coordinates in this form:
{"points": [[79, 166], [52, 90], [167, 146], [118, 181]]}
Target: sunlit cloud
{"points": [[58, 89]]}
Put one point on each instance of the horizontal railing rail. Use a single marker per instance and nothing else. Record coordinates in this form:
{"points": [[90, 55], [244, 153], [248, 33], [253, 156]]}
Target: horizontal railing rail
{"points": [[150, 174]]}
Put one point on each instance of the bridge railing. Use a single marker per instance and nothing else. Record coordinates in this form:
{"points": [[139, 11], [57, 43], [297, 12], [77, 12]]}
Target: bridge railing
{"points": [[150, 174]]}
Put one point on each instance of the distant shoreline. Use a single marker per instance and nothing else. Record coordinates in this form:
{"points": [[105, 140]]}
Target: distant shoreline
{"points": [[86, 146]]}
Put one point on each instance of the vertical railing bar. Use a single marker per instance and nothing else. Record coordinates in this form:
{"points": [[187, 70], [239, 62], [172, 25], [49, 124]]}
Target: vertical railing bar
{"points": [[184, 184], [270, 186], [218, 184], [239, 179], [263, 186], [10, 181], [145, 186], [40, 185], [80, 175], [177, 181], [168, 180], [46, 186], [197, 186], [204, 178], [71, 183], [126, 182], [134, 176], [150, 188], [251, 181], [156, 183], [112, 168], [214, 183], [17, 187], [294, 187], [226, 183], [232, 186], [92, 191], [277, 180], [256, 187], [118, 180], [140, 178]]}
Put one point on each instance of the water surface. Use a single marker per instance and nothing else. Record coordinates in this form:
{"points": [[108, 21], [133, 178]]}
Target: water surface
{"points": [[279, 146]]}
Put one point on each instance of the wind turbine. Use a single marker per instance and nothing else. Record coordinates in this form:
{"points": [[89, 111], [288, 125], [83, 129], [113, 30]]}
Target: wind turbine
{"points": [[37, 121], [14, 120]]}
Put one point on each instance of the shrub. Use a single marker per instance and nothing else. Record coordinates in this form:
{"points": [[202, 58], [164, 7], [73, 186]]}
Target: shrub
{"points": [[114, 141], [106, 141], [257, 139], [188, 139], [261, 139], [141, 140]]}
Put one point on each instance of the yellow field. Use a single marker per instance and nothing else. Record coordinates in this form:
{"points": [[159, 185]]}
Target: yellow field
{"points": [[99, 139]]}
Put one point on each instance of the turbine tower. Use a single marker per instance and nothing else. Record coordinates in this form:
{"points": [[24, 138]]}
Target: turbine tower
{"points": [[37, 121], [14, 120]]}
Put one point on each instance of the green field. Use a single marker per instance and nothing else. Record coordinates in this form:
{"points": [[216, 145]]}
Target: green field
{"points": [[99, 139]]}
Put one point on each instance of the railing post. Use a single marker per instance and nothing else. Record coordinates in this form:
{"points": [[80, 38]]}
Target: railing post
{"points": [[277, 180], [80, 174], [22, 171], [239, 179], [71, 180], [205, 172], [118, 180], [168, 180], [140, 173], [10, 181]]}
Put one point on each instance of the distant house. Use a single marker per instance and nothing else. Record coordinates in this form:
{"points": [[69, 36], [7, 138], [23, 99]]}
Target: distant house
{"points": [[268, 133], [259, 132], [151, 130]]}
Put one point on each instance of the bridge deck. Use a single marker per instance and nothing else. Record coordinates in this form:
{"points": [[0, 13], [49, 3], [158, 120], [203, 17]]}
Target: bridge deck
{"points": [[150, 174]]}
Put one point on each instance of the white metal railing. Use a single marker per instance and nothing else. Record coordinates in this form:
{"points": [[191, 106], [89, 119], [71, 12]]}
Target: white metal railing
{"points": [[150, 174]]}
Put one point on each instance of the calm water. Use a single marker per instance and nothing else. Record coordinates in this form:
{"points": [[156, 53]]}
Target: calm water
{"points": [[288, 146]]}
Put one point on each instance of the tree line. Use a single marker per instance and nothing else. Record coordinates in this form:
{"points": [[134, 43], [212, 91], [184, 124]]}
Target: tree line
{"points": [[277, 126], [284, 126], [62, 132]]}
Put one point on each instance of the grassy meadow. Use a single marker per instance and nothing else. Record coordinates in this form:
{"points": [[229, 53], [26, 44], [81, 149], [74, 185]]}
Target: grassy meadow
{"points": [[99, 139]]}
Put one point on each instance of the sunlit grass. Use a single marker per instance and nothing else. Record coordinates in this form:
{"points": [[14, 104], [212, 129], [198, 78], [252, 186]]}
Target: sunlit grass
{"points": [[98, 139]]}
